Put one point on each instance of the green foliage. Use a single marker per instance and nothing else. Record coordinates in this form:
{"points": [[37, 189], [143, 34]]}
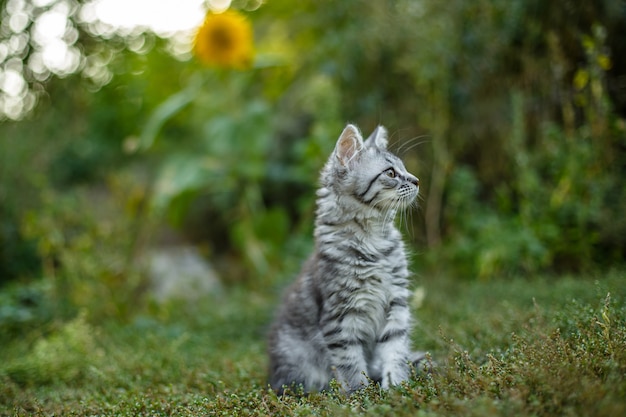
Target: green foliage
{"points": [[521, 110], [18, 255], [242, 169], [63, 356], [550, 210], [488, 243], [84, 247], [25, 308]]}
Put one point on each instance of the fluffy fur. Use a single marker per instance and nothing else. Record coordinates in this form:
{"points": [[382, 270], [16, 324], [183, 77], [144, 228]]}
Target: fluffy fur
{"points": [[346, 316]]}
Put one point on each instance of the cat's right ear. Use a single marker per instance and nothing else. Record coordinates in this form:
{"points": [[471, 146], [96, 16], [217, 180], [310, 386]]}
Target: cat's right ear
{"points": [[378, 138], [349, 144]]}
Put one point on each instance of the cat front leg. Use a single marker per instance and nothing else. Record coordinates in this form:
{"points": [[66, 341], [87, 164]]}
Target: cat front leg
{"points": [[392, 351], [345, 350], [348, 367], [393, 359]]}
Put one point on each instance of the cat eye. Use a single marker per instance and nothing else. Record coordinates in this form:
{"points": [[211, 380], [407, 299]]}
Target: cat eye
{"points": [[391, 173]]}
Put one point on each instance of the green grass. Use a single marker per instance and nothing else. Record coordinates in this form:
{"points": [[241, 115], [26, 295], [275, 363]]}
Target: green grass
{"points": [[514, 347]]}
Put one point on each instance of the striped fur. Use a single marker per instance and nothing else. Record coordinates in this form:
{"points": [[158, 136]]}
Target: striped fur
{"points": [[346, 316]]}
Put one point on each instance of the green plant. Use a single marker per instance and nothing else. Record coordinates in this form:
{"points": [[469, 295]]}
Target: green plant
{"points": [[25, 308], [61, 357], [85, 241]]}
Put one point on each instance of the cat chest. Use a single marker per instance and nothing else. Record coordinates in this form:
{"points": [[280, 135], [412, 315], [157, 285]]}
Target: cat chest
{"points": [[359, 282], [362, 308]]}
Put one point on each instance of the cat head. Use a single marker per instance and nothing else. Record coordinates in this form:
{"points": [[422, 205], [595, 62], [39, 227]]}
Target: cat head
{"points": [[367, 172]]}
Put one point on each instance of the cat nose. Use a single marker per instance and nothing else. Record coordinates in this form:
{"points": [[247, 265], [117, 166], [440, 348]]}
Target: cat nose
{"points": [[414, 180]]}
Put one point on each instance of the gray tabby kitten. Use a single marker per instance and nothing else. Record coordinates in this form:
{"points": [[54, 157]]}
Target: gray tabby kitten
{"points": [[347, 316]]}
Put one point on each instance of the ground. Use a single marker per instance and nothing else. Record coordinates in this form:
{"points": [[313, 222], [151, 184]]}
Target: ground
{"points": [[518, 346]]}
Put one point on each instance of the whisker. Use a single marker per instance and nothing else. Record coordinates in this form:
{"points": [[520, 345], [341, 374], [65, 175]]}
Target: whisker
{"points": [[411, 221], [395, 143], [390, 214], [401, 219], [408, 218], [393, 134], [411, 143], [414, 145]]}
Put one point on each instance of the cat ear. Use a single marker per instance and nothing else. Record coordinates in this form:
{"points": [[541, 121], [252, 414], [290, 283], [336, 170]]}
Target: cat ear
{"points": [[349, 144], [378, 138]]}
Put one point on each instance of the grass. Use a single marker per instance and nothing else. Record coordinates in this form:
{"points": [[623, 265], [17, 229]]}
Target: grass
{"points": [[515, 347]]}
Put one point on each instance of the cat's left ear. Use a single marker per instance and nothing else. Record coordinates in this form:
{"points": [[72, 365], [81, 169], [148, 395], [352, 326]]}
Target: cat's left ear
{"points": [[378, 138], [349, 144]]}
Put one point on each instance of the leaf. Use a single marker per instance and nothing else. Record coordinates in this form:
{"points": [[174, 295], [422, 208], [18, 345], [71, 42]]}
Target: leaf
{"points": [[581, 79], [181, 175], [166, 110], [272, 226], [604, 62]]}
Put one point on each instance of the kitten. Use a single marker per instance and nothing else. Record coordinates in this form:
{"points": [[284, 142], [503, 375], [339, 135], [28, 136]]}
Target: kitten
{"points": [[347, 316]]}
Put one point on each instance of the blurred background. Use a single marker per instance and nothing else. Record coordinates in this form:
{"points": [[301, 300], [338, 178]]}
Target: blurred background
{"points": [[135, 166]]}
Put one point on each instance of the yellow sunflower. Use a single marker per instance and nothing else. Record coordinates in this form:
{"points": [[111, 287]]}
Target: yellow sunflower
{"points": [[225, 40]]}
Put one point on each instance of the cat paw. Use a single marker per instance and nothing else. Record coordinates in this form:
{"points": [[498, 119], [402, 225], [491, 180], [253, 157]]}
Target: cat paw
{"points": [[395, 377], [350, 387]]}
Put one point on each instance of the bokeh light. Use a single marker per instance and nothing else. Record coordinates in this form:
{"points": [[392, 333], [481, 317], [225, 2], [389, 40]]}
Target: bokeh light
{"points": [[38, 39]]}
